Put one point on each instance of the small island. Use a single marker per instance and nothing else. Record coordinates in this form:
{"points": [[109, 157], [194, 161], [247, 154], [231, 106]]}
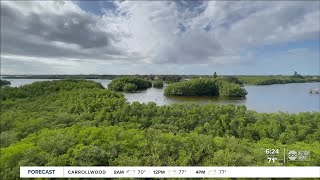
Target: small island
{"points": [[205, 87], [4, 82], [129, 84], [278, 79]]}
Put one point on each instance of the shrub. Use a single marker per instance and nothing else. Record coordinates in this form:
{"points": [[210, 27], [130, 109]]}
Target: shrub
{"points": [[4, 82], [158, 84], [205, 87], [233, 79], [118, 83], [195, 87], [232, 90], [129, 87], [47, 87]]}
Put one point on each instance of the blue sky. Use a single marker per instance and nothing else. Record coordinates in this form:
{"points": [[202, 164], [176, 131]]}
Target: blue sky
{"points": [[96, 7], [160, 37]]}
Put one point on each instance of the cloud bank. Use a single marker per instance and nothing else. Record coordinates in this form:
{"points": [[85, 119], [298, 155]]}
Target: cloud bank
{"points": [[163, 33]]}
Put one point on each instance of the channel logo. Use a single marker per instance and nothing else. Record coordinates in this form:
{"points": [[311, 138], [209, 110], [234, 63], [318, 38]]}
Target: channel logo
{"points": [[294, 155]]}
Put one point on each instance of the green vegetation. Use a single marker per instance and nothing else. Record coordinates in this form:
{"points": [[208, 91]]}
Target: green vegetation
{"points": [[275, 80], [254, 80], [268, 80], [129, 84], [205, 87], [232, 79], [62, 76], [232, 90], [47, 87], [4, 82], [129, 87], [169, 78], [157, 84], [166, 78], [78, 123]]}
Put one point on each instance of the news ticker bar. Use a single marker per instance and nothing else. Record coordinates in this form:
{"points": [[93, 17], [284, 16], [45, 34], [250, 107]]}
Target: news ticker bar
{"points": [[168, 172]]}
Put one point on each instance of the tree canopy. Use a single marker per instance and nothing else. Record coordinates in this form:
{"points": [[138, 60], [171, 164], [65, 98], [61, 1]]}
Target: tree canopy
{"points": [[47, 87], [205, 87], [215, 75], [79, 123], [157, 84], [129, 84]]}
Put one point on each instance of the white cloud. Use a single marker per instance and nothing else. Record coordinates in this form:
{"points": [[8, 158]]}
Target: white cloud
{"points": [[234, 26], [159, 32]]}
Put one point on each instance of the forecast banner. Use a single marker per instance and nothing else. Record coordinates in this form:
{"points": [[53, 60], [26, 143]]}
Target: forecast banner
{"points": [[168, 172]]}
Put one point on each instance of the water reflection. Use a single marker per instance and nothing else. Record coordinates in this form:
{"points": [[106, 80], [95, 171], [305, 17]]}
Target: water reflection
{"points": [[156, 95]]}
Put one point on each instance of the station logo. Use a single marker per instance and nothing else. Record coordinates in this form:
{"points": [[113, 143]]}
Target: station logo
{"points": [[294, 155]]}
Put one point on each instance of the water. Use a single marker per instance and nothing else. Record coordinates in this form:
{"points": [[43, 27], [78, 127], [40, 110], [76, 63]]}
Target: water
{"points": [[20, 82], [291, 98]]}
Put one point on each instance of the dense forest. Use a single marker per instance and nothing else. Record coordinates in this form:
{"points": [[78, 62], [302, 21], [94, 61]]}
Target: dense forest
{"points": [[205, 87], [79, 123]]}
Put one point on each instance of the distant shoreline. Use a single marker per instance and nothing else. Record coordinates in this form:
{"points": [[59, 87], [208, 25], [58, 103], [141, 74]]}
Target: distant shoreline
{"points": [[245, 79], [101, 76]]}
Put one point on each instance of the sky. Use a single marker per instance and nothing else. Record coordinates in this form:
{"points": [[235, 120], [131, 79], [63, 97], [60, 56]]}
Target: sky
{"points": [[160, 37]]}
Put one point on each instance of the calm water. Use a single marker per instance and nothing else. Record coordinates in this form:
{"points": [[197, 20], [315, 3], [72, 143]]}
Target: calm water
{"points": [[292, 98]]}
